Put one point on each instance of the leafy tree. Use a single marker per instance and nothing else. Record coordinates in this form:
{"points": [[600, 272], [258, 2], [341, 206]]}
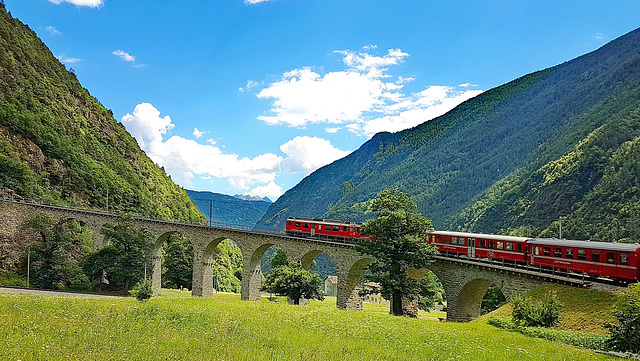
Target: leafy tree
{"points": [[294, 282], [55, 260], [123, 260], [279, 259], [397, 245], [431, 292], [227, 265], [492, 300], [625, 334], [177, 263], [143, 290]]}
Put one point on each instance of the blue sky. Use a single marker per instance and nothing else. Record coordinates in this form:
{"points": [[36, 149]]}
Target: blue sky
{"points": [[248, 97]]}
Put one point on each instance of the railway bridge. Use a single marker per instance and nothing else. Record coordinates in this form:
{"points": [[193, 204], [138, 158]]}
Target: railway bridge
{"points": [[465, 281]]}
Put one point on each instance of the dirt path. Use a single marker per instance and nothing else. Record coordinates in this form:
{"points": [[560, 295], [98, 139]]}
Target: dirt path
{"points": [[33, 291]]}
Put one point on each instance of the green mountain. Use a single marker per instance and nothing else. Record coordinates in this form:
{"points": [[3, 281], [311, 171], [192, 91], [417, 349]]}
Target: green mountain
{"points": [[560, 143], [59, 144], [231, 211]]}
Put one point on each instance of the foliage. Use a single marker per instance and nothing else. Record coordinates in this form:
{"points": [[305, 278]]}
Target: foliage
{"points": [[397, 245], [59, 144], [492, 300], [279, 259], [143, 290], [431, 292], [545, 313], [625, 334], [12, 279], [177, 262], [55, 259], [125, 258], [294, 282], [575, 338], [227, 267]]}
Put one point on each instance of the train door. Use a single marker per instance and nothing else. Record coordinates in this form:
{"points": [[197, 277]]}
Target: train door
{"points": [[471, 247], [313, 229]]}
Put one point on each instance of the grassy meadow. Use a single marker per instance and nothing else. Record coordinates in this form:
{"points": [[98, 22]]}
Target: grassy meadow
{"points": [[177, 326]]}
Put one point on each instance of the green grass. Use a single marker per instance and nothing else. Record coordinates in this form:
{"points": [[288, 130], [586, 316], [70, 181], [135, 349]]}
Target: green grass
{"points": [[179, 327]]}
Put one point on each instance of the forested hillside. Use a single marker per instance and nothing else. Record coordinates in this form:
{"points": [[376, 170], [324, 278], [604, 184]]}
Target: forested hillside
{"points": [[59, 144], [561, 142], [232, 211]]}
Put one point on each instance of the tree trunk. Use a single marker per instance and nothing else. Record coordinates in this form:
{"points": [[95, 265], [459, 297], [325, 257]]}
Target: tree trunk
{"points": [[396, 304]]}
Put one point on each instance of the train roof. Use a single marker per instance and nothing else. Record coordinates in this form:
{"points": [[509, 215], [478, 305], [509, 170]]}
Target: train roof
{"points": [[611, 246], [324, 221], [480, 235]]}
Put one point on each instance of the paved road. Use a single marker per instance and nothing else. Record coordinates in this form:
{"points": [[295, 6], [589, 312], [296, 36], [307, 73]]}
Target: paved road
{"points": [[33, 291]]}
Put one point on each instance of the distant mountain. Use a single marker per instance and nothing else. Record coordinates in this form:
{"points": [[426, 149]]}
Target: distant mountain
{"points": [[252, 198], [560, 143], [59, 144], [228, 210]]}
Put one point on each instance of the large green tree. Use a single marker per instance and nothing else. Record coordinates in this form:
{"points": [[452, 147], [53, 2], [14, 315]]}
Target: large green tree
{"points": [[294, 282], [123, 260], [55, 259], [397, 243], [177, 263]]}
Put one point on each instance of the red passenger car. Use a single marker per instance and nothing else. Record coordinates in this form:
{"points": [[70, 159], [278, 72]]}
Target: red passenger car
{"points": [[620, 261], [323, 228], [478, 245]]}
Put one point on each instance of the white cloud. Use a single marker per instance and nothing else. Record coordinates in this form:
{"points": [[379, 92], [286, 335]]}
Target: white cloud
{"points": [[66, 60], [306, 154], [124, 56], [251, 2], [197, 133], [184, 158], [362, 98], [52, 30], [271, 190], [90, 3]]}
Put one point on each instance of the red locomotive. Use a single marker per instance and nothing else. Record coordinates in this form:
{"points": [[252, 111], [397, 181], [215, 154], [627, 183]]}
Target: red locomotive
{"points": [[323, 228], [618, 261]]}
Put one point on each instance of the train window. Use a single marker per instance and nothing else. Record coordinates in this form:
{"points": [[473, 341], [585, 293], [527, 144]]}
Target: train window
{"points": [[582, 254], [624, 258], [546, 251], [595, 256], [509, 246], [499, 245], [305, 225], [483, 244], [298, 224], [288, 223], [319, 227], [461, 241], [557, 252], [454, 240], [537, 251], [438, 239], [327, 227], [568, 253], [611, 258], [351, 229], [520, 247], [336, 228], [491, 244]]}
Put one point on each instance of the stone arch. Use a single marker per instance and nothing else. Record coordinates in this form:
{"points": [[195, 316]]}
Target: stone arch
{"points": [[156, 261], [202, 282], [252, 272], [350, 284], [469, 300]]}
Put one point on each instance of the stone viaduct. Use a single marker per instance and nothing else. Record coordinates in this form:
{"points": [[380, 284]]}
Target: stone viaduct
{"points": [[465, 281]]}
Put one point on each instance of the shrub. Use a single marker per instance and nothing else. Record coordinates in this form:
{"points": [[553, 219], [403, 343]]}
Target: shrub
{"points": [[143, 290], [544, 313], [625, 334]]}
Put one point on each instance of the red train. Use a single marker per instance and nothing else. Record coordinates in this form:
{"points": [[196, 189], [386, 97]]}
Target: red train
{"points": [[618, 261]]}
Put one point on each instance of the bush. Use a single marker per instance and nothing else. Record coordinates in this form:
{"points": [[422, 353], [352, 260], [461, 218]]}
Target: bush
{"points": [[143, 290], [625, 334], [12, 279], [545, 313]]}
